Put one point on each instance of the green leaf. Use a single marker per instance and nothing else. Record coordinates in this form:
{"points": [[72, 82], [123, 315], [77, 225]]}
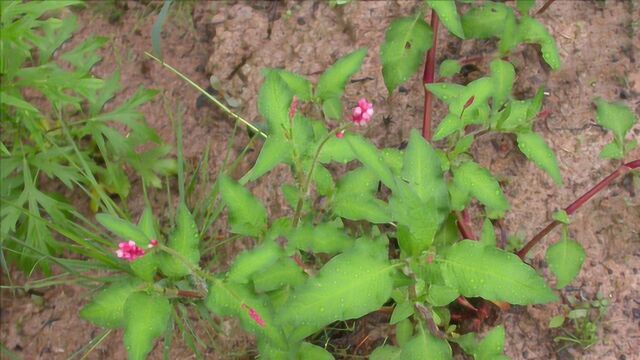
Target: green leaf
{"points": [[146, 266], [386, 352], [326, 237], [421, 169], [332, 108], [448, 14], [247, 216], [565, 259], [536, 150], [337, 150], [276, 150], [492, 346], [449, 68], [614, 117], [493, 274], [485, 21], [274, 100], [503, 74], [515, 116], [332, 82], [426, 346], [405, 42], [298, 85], [313, 352], [285, 272], [106, 309], [349, 286], [536, 104], [488, 235], [146, 318], [524, 6], [446, 92], [185, 241], [562, 217], [371, 158], [440, 295], [556, 321], [250, 262], [479, 182], [449, 125], [612, 151], [401, 311], [532, 31], [123, 229], [404, 331], [355, 198]]}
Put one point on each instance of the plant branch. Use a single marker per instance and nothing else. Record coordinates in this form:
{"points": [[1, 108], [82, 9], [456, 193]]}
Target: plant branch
{"points": [[428, 77], [464, 226], [545, 7], [623, 169]]}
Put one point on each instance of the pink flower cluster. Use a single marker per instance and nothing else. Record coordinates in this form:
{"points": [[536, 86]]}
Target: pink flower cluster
{"points": [[362, 113], [253, 314], [128, 250]]}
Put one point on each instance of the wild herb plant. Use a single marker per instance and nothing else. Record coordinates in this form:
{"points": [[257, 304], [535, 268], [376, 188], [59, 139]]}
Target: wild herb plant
{"points": [[55, 130], [394, 230]]}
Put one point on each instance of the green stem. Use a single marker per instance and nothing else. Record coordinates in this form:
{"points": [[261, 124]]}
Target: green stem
{"points": [[219, 104], [307, 183]]}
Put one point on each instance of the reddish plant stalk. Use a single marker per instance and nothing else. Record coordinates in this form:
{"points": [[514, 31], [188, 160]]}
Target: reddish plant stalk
{"points": [[623, 169], [545, 7], [464, 226], [428, 77]]}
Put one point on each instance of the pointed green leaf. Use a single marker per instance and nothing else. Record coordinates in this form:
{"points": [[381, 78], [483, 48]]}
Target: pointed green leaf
{"points": [[405, 42], [488, 235], [349, 286], [421, 169], [250, 262], [247, 216], [515, 116], [441, 295], [332, 108], [448, 14], [503, 74], [449, 125], [446, 92], [285, 272], [106, 309], [493, 274], [328, 237], [612, 151], [298, 85], [123, 229], [371, 158], [386, 352], [275, 150], [274, 100], [615, 117], [146, 318], [426, 346], [535, 149], [532, 31], [556, 321], [401, 311], [479, 182], [485, 21], [449, 68], [313, 352], [565, 259], [332, 82], [355, 198], [185, 241], [491, 346]]}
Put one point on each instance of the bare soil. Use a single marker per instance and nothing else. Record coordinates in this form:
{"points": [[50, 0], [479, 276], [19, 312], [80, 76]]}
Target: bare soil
{"points": [[233, 40]]}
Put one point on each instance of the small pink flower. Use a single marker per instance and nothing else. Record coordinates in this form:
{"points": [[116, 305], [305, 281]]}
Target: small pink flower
{"points": [[340, 134], [292, 108], [129, 251], [153, 243], [362, 113]]}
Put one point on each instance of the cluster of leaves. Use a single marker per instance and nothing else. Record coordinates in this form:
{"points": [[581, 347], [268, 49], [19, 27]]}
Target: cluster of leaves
{"points": [[54, 124], [384, 232], [580, 321]]}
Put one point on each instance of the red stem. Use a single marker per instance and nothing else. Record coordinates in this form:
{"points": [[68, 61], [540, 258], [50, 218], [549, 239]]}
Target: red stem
{"points": [[545, 7], [428, 77], [623, 169], [464, 226]]}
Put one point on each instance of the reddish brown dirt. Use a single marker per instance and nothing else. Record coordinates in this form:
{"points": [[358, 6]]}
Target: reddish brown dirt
{"points": [[234, 40]]}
